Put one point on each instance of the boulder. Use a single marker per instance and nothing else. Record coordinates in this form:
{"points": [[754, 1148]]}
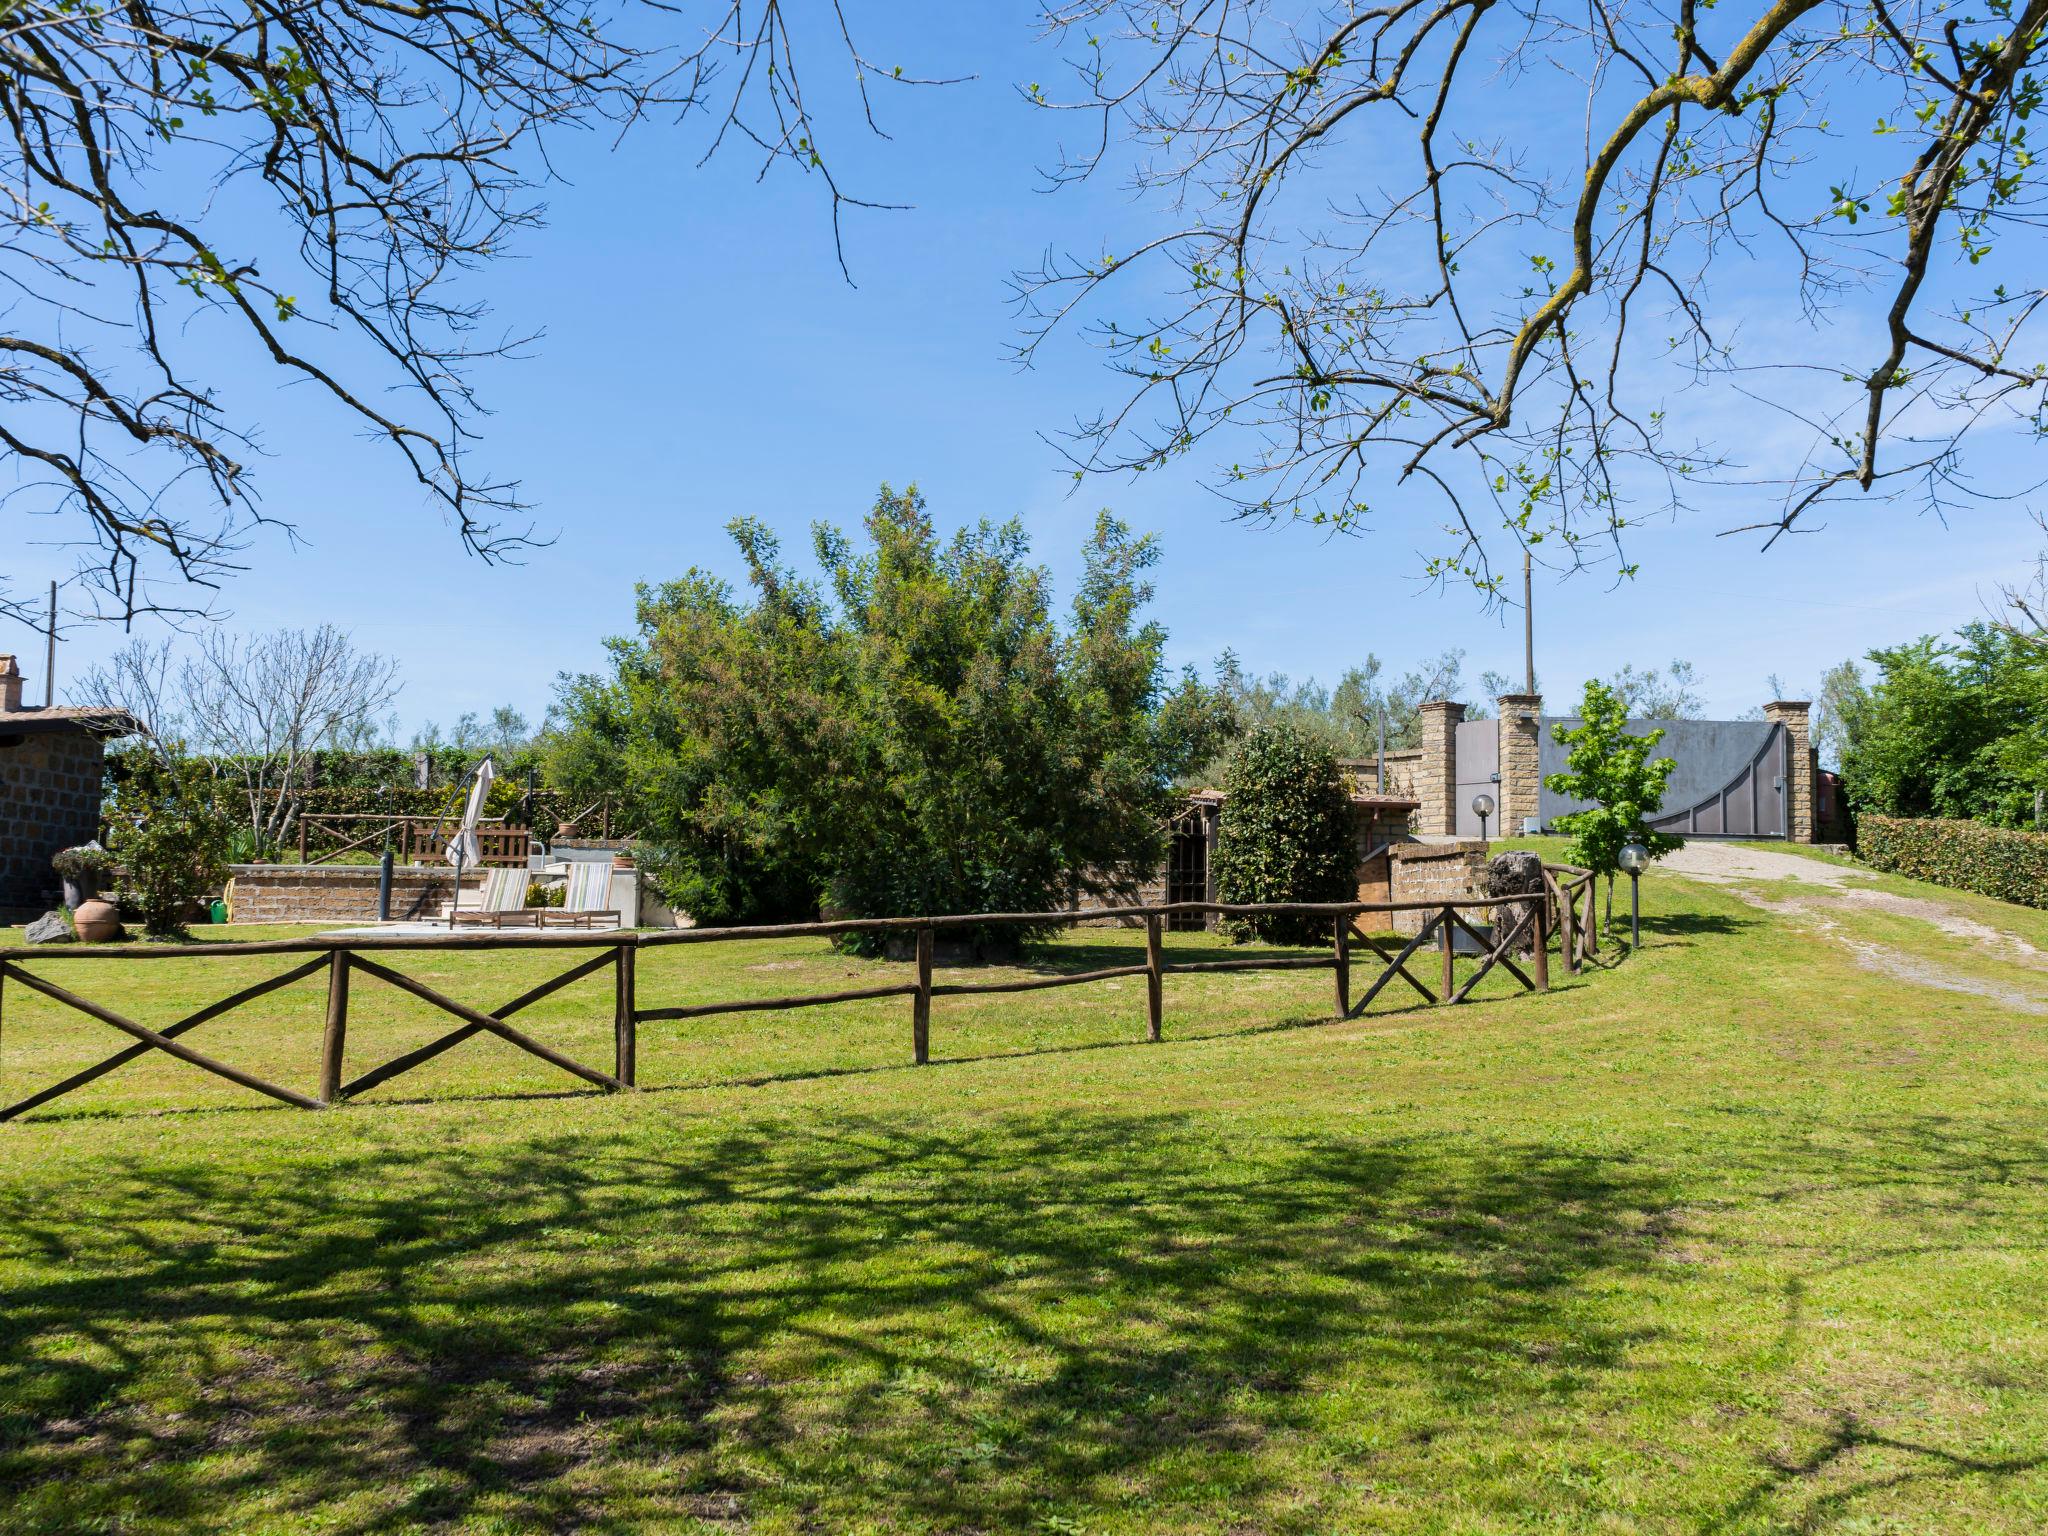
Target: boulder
{"points": [[50, 928]]}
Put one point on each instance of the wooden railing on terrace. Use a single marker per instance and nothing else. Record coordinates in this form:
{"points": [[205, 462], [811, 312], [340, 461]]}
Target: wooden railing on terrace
{"points": [[414, 839], [1523, 930]]}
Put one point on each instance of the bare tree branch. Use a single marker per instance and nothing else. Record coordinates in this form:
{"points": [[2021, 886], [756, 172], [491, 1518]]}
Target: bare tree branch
{"points": [[397, 147], [1358, 280]]}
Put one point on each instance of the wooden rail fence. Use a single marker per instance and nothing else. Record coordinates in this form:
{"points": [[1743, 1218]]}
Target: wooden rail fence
{"points": [[1523, 930], [414, 839]]}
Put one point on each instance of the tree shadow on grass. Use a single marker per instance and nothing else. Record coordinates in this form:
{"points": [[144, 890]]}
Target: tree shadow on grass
{"points": [[1691, 924], [950, 1328], [1952, 1187], [1066, 959]]}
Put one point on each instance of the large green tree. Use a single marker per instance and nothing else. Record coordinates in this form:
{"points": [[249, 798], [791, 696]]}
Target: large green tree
{"points": [[1955, 728], [916, 732]]}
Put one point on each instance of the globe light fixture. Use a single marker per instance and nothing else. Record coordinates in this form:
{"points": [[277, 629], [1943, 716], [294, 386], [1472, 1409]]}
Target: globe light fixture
{"points": [[1634, 859], [1482, 807]]}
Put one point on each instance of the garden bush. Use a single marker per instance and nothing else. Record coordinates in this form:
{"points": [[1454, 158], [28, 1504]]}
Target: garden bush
{"points": [[1992, 861], [171, 838], [1286, 833]]}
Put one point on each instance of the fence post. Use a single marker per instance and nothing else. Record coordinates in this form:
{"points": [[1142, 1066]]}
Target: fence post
{"points": [[921, 1004], [1155, 978], [1542, 969], [1343, 965], [1592, 915], [1568, 939], [625, 1024], [302, 839], [1444, 944], [337, 1026]]}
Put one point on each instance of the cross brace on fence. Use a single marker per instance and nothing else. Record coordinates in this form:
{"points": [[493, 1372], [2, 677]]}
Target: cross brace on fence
{"points": [[1522, 921]]}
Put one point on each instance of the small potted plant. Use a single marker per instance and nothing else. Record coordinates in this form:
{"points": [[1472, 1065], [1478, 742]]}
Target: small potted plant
{"points": [[84, 871]]}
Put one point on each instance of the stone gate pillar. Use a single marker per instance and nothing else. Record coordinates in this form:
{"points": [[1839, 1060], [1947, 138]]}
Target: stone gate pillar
{"points": [[1436, 771], [1792, 714], [1521, 777]]}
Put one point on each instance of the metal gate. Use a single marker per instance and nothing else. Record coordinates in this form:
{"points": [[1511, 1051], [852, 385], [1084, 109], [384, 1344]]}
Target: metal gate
{"points": [[1478, 747], [1187, 867], [1731, 778]]}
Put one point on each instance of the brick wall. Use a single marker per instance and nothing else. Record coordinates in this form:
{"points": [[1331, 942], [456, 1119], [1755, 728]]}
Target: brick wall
{"points": [[1521, 776], [1401, 765], [335, 893], [1150, 893], [1436, 769], [1792, 714], [49, 799], [1373, 830], [1434, 872]]}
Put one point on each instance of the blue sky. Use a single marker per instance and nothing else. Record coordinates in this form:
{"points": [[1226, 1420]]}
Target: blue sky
{"points": [[702, 360]]}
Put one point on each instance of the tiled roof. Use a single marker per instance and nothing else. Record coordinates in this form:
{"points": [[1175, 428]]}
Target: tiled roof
{"points": [[1374, 801], [69, 717]]}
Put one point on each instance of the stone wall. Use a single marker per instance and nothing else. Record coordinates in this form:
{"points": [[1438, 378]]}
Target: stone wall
{"points": [[1521, 746], [49, 799], [1149, 893], [1436, 770], [1792, 714], [1434, 872], [335, 893], [1373, 832], [1401, 766]]}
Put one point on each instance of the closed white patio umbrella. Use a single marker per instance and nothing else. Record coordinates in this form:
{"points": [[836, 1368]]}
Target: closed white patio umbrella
{"points": [[463, 847]]}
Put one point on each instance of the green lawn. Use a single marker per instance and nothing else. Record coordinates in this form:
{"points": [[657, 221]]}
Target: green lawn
{"points": [[1733, 1236]]}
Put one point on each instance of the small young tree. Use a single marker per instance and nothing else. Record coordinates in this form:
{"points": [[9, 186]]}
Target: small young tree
{"points": [[1614, 770], [169, 836], [1286, 833]]}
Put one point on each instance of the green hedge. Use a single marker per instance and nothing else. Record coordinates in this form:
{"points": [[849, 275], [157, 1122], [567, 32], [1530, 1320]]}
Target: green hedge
{"points": [[2012, 866]]}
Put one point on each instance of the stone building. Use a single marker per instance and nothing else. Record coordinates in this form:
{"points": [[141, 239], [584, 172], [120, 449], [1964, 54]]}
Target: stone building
{"points": [[1379, 828], [50, 765]]}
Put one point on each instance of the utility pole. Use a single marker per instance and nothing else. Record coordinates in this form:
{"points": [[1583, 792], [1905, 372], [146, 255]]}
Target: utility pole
{"points": [[1528, 628], [50, 653]]}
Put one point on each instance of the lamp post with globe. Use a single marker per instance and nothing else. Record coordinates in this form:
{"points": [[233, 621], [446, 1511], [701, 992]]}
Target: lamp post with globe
{"points": [[1482, 807], [1634, 859]]}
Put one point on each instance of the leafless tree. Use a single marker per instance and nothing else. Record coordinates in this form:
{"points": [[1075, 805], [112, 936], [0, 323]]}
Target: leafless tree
{"points": [[2022, 610], [312, 179], [263, 704], [1482, 246], [140, 681]]}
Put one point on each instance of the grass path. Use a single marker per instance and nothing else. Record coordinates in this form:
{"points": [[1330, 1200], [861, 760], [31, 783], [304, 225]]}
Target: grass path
{"points": [[1734, 1236]]}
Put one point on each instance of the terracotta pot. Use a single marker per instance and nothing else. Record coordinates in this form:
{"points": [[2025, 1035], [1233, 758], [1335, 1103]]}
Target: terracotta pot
{"points": [[622, 861], [97, 921]]}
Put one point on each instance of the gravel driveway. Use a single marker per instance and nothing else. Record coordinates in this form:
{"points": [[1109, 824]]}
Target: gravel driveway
{"points": [[1840, 891]]}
